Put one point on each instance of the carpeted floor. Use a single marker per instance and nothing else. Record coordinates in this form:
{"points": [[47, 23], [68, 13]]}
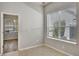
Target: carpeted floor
{"points": [[37, 51], [40, 51]]}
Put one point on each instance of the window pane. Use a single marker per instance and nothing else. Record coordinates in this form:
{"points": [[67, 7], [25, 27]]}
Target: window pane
{"points": [[55, 29], [62, 24], [62, 28], [53, 25]]}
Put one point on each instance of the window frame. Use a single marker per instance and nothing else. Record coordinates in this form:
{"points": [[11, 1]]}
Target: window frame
{"points": [[58, 39]]}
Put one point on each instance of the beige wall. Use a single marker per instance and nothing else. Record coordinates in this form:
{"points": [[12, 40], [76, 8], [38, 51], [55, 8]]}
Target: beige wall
{"points": [[69, 48]]}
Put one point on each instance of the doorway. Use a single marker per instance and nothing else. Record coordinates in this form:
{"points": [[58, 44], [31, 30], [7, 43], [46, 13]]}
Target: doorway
{"points": [[9, 32]]}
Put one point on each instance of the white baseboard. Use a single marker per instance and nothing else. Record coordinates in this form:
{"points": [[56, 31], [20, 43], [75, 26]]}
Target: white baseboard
{"points": [[31, 47], [14, 53], [58, 50], [47, 46]]}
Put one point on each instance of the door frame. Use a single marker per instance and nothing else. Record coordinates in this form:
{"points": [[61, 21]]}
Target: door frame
{"points": [[2, 29]]}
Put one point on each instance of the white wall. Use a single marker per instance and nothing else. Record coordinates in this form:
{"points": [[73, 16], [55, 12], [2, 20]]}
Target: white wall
{"points": [[0, 26], [30, 23], [35, 5], [63, 46]]}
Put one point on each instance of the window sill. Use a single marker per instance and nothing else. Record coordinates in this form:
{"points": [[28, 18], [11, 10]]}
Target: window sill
{"points": [[62, 40]]}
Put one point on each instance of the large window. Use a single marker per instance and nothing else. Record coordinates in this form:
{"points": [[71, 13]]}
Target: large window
{"points": [[62, 24]]}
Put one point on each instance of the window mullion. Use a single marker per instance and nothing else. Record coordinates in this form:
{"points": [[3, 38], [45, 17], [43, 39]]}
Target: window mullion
{"points": [[59, 34]]}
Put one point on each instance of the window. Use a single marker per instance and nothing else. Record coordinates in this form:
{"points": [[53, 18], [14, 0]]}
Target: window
{"points": [[62, 24]]}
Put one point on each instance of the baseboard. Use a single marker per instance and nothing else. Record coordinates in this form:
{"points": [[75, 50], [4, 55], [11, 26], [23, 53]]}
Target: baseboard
{"points": [[47, 46], [58, 50], [13, 52], [30, 47]]}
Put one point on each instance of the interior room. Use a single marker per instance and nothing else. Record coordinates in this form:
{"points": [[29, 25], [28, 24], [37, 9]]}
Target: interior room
{"points": [[39, 29]]}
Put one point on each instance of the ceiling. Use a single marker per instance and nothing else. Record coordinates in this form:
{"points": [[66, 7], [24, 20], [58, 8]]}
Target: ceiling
{"points": [[39, 3], [42, 3]]}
